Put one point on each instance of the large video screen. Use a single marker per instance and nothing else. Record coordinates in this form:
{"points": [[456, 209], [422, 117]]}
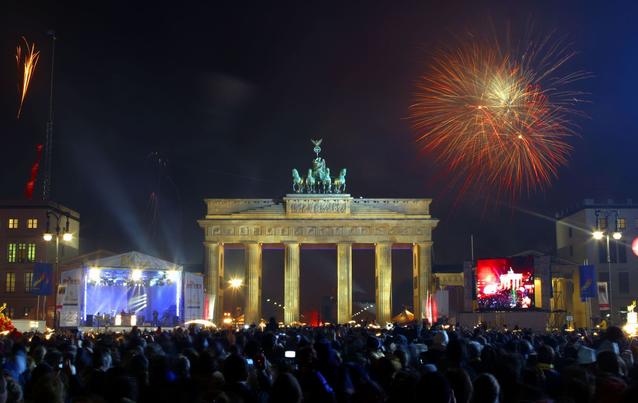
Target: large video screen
{"points": [[505, 284]]}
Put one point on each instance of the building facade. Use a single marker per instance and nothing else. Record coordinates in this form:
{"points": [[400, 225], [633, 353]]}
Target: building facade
{"points": [[585, 234], [22, 228]]}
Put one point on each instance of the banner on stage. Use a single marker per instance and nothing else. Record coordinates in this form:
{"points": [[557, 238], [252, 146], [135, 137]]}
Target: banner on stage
{"points": [[68, 301], [42, 281], [587, 281], [603, 297], [193, 296], [442, 298]]}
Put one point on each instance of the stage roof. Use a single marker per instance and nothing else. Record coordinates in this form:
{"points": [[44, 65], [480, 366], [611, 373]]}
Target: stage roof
{"points": [[133, 260]]}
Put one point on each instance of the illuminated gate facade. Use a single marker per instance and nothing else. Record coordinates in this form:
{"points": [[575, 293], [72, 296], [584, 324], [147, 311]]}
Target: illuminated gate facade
{"points": [[318, 219]]}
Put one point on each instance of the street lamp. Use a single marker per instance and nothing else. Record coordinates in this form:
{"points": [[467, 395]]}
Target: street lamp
{"points": [[601, 233], [49, 236], [235, 283]]}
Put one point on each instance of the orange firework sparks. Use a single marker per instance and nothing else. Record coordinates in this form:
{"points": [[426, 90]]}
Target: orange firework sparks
{"points": [[27, 59], [498, 118]]}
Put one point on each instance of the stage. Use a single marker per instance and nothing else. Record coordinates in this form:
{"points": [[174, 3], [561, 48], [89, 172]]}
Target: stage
{"points": [[126, 290], [117, 329], [536, 320]]}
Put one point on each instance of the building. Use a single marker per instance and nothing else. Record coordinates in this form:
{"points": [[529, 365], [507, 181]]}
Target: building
{"points": [[587, 234], [22, 228], [318, 214]]}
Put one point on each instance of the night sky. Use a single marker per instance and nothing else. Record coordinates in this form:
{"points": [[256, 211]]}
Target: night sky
{"points": [[228, 97]]}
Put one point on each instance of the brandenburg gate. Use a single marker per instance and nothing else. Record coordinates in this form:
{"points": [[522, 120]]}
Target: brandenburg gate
{"points": [[318, 213]]}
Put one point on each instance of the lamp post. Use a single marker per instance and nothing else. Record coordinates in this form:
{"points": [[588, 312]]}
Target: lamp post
{"points": [[601, 233], [49, 237]]}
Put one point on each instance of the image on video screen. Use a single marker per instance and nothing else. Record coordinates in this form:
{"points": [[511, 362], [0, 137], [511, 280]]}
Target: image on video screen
{"points": [[504, 284]]}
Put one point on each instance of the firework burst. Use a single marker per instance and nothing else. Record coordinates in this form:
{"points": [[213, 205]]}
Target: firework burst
{"points": [[27, 59], [498, 117]]}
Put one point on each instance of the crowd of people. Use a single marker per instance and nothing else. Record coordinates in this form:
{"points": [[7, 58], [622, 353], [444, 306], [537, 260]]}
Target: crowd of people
{"points": [[325, 364]]}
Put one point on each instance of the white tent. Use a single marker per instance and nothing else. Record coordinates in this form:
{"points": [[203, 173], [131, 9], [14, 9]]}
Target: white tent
{"points": [[133, 260]]}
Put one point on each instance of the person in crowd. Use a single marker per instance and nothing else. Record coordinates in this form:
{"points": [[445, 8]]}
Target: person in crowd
{"points": [[486, 389], [285, 389]]}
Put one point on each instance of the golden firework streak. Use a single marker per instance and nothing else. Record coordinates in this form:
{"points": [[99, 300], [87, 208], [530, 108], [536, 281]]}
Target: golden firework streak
{"points": [[27, 59]]}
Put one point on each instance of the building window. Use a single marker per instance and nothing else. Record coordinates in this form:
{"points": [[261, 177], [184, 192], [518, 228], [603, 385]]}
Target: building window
{"points": [[9, 312], [602, 252], [617, 252], [613, 252], [28, 279], [11, 282], [27, 311], [21, 252], [623, 282], [602, 223], [620, 222], [622, 252], [32, 223], [569, 230], [13, 223], [31, 252], [12, 252], [571, 250]]}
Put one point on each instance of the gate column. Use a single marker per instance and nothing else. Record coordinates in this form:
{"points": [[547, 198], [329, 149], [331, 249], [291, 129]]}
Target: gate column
{"points": [[252, 258], [421, 276], [344, 282], [291, 282], [214, 281], [383, 281]]}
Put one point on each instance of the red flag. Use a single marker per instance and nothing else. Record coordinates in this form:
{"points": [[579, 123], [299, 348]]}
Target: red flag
{"points": [[28, 191]]}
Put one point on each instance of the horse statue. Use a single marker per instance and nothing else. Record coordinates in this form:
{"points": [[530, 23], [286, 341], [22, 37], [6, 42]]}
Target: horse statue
{"points": [[339, 184], [318, 167], [297, 182], [326, 181], [310, 182]]}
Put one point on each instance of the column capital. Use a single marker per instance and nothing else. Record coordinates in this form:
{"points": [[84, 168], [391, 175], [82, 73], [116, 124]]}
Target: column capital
{"points": [[424, 243], [212, 243]]}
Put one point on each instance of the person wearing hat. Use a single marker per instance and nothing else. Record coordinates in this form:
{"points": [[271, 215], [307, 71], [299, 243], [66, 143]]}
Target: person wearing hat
{"points": [[436, 352], [586, 356]]}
